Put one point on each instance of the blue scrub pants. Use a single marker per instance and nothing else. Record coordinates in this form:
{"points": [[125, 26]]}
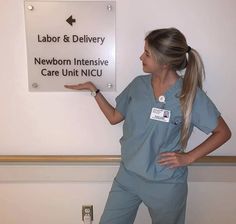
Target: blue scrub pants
{"points": [[166, 202]]}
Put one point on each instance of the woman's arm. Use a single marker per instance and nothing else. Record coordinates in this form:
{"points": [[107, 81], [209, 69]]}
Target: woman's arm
{"points": [[108, 110], [219, 136]]}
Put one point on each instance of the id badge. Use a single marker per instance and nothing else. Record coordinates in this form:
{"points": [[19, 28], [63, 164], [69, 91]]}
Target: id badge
{"points": [[160, 115]]}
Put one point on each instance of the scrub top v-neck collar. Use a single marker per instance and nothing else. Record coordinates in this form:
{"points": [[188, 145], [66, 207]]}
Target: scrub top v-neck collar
{"points": [[168, 93]]}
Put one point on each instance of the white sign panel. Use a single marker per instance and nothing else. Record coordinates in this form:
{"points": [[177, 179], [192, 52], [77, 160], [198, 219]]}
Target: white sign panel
{"points": [[70, 43]]}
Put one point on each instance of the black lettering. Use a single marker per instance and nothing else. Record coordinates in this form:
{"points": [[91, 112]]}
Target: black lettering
{"points": [[48, 38], [46, 72], [66, 72], [75, 38], [92, 72]]}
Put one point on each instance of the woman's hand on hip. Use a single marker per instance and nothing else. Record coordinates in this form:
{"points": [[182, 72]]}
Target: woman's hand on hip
{"points": [[174, 159]]}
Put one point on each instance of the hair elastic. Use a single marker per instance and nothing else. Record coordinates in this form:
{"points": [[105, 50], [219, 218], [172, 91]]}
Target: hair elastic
{"points": [[189, 49]]}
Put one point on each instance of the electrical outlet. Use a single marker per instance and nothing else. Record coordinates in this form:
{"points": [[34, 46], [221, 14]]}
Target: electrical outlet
{"points": [[87, 212]]}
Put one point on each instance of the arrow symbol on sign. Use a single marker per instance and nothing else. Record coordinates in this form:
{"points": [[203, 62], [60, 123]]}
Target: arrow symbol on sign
{"points": [[70, 20]]}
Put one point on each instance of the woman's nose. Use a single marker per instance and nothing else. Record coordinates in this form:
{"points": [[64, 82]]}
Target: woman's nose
{"points": [[141, 57]]}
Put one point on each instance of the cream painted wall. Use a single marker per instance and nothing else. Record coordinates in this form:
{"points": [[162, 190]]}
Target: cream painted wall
{"points": [[65, 123]]}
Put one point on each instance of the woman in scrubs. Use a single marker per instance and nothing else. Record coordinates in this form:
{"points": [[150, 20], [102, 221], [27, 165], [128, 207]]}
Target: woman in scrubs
{"points": [[159, 110]]}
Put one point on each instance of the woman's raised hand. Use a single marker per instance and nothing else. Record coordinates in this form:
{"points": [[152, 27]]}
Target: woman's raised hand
{"points": [[82, 86]]}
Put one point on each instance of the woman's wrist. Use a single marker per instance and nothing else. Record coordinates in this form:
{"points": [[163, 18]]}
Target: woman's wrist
{"points": [[192, 156], [92, 87]]}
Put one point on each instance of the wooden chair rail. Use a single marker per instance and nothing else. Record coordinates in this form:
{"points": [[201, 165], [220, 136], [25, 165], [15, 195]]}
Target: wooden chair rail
{"points": [[102, 159]]}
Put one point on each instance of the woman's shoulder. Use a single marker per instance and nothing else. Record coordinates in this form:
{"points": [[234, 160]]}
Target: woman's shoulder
{"points": [[142, 79], [201, 93], [202, 98]]}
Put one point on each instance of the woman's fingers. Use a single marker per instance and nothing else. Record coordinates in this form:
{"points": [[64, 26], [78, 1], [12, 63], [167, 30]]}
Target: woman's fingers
{"points": [[173, 159], [81, 86]]}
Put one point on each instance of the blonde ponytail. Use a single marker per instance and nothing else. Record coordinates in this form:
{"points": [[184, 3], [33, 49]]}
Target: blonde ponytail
{"points": [[193, 78]]}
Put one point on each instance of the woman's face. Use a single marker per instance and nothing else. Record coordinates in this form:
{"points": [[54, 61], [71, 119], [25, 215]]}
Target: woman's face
{"points": [[149, 61]]}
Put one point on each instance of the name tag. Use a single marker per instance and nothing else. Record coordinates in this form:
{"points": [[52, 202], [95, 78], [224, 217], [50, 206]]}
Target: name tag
{"points": [[160, 115]]}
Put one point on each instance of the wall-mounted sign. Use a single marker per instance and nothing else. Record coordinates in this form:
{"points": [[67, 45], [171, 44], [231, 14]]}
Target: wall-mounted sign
{"points": [[69, 43]]}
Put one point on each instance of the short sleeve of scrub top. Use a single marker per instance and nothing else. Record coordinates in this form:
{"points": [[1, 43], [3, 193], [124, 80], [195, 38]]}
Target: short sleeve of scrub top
{"points": [[205, 114], [122, 101]]}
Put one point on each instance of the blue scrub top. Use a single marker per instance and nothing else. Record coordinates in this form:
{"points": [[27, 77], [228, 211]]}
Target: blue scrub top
{"points": [[144, 138]]}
